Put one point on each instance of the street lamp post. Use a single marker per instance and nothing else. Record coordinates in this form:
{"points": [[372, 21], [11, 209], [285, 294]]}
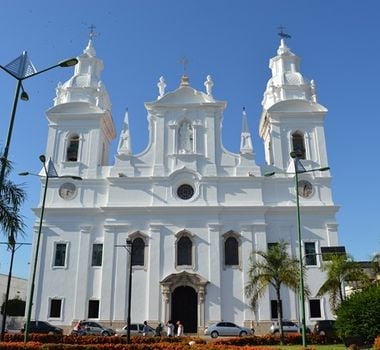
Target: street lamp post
{"points": [[13, 246], [21, 69], [32, 285], [299, 169], [129, 248], [128, 245]]}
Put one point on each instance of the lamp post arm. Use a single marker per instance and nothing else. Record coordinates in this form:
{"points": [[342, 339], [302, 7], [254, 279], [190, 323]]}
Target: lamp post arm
{"points": [[30, 301], [66, 63], [9, 72], [41, 71]]}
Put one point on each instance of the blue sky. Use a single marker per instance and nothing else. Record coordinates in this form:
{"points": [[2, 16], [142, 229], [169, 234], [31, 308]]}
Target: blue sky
{"points": [[140, 40]]}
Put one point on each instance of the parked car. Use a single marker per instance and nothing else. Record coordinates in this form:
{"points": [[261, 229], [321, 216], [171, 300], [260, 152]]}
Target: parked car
{"points": [[325, 327], [227, 329], [93, 328], [136, 329], [287, 327], [42, 327]]}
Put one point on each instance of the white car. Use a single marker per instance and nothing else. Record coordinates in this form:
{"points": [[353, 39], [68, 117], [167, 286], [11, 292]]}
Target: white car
{"points": [[136, 329], [287, 327], [227, 329]]}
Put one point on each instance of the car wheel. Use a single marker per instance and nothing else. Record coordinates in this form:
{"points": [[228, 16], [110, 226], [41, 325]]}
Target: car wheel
{"points": [[51, 333], [322, 333], [243, 334], [105, 334], [214, 334]]}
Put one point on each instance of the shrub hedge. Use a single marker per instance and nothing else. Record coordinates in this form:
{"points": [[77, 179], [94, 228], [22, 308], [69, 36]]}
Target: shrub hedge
{"points": [[59, 342]]}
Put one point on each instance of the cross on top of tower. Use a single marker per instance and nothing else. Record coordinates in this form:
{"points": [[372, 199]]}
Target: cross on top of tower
{"points": [[282, 34], [93, 34]]}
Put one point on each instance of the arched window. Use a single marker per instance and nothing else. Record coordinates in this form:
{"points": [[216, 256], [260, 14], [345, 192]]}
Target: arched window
{"points": [[231, 251], [298, 142], [138, 250], [184, 251], [72, 149]]}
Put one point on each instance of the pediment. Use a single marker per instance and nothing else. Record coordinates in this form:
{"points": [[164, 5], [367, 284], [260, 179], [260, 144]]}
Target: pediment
{"points": [[184, 95], [184, 278]]}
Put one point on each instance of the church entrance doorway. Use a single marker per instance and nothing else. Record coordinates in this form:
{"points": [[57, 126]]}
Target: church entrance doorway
{"points": [[184, 308]]}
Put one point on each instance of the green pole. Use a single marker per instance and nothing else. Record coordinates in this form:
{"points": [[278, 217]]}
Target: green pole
{"points": [[31, 295], [302, 287]]}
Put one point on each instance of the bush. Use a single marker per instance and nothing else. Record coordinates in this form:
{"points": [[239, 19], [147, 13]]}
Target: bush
{"points": [[15, 307], [359, 315], [376, 344]]}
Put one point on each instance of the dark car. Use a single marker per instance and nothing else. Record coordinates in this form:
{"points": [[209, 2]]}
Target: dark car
{"points": [[325, 327], [42, 327]]}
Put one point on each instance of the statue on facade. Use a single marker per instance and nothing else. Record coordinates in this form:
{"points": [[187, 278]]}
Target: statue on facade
{"points": [[185, 138], [161, 86], [209, 84]]}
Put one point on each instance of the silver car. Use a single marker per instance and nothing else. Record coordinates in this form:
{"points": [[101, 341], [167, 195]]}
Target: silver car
{"points": [[287, 327], [136, 329], [93, 328], [227, 329]]}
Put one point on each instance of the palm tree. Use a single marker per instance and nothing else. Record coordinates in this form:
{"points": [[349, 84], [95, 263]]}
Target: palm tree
{"points": [[275, 268], [11, 198], [341, 268]]}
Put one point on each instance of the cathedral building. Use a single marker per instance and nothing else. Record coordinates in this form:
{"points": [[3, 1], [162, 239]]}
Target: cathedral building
{"points": [[192, 211]]}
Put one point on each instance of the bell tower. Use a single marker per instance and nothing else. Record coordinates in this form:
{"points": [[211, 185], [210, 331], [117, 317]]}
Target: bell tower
{"points": [[80, 122], [291, 119]]}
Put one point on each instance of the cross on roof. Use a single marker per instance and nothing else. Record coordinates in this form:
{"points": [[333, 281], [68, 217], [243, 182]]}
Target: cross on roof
{"points": [[184, 61]]}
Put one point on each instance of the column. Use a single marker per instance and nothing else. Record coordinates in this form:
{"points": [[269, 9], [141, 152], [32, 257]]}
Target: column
{"points": [[81, 282], [260, 243], [166, 301], [107, 296], [154, 250], [214, 294], [120, 281]]}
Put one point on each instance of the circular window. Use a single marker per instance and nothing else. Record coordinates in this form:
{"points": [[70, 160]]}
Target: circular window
{"points": [[185, 191]]}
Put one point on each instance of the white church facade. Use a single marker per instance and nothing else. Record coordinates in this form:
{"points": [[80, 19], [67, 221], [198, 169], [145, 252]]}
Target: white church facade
{"points": [[193, 210]]}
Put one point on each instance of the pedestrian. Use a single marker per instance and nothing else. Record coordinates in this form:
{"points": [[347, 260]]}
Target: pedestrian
{"points": [[170, 328], [180, 329], [145, 329], [159, 330]]}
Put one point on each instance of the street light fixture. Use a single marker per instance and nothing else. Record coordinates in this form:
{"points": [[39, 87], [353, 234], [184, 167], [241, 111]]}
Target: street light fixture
{"points": [[50, 172], [299, 169], [21, 69]]}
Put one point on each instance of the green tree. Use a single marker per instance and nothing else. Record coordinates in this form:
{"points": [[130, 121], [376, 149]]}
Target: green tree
{"points": [[359, 315], [15, 307], [375, 262], [11, 198], [275, 268], [340, 269]]}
